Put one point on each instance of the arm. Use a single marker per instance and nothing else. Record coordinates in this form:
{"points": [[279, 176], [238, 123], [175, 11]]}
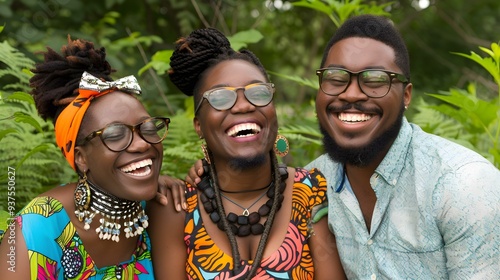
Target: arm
{"points": [[14, 262], [324, 252], [469, 221], [167, 241]]}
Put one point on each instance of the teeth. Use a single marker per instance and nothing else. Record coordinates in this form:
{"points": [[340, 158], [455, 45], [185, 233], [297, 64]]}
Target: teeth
{"points": [[136, 165], [348, 117], [249, 128]]}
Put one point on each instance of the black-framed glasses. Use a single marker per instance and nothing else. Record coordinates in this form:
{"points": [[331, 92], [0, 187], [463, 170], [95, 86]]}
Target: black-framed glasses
{"points": [[374, 83], [224, 98], [118, 136]]}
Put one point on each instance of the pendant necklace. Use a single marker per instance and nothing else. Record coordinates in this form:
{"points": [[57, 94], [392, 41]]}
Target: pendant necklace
{"points": [[245, 210]]}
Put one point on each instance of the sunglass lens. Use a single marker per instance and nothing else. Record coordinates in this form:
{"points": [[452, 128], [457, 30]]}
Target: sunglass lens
{"points": [[259, 95], [222, 99]]}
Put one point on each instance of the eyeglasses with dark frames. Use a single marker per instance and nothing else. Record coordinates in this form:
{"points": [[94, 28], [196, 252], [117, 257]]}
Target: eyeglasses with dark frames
{"points": [[375, 83], [117, 137], [224, 98]]}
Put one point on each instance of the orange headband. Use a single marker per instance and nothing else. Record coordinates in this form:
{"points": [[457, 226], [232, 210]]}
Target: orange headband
{"points": [[69, 121]]}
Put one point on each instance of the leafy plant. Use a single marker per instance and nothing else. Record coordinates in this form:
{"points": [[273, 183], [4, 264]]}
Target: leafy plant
{"points": [[340, 11], [26, 139], [476, 120]]}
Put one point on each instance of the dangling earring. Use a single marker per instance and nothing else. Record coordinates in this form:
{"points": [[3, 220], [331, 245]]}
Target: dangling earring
{"points": [[82, 201], [281, 146], [204, 148]]}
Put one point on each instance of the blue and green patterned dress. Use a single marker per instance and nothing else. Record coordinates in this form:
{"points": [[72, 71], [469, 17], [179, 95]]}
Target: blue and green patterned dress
{"points": [[55, 249]]}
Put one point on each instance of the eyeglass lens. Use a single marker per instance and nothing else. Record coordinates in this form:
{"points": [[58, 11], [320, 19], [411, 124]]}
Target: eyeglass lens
{"points": [[374, 83], [225, 98], [117, 137]]}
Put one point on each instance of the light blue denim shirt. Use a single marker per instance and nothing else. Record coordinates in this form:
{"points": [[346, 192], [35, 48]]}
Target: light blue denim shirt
{"points": [[437, 214]]}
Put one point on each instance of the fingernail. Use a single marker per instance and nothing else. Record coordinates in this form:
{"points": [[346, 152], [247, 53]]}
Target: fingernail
{"points": [[178, 207], [184, 205]]}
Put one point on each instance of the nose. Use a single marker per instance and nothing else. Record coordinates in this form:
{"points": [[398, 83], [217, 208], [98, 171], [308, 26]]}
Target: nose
{"points": [[242, 104], [138, 144], [353, 92]]}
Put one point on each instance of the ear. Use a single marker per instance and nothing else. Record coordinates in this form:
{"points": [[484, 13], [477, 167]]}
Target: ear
{"points": [[81, 159], [197, 127], [407, 94]]}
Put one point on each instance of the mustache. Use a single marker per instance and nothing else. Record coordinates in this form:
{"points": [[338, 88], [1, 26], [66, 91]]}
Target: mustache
{"points": [[357, 106]]}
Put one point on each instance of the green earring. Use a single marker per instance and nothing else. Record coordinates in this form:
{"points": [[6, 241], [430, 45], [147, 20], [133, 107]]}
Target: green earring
{"points": [[281, 146]]}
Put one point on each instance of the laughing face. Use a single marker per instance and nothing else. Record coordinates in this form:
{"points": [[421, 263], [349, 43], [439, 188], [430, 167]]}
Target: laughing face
{"points": [[132, 173], [244, 134], [358, 129]]}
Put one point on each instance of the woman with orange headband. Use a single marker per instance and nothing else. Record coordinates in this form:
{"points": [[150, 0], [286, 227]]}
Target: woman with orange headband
{"points": [[95, 228]]}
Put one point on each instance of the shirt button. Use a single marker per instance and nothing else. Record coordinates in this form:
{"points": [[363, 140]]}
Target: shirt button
{"points": [[374, 276], [370, 242]]}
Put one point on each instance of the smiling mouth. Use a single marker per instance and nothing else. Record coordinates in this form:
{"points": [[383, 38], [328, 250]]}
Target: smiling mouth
{"points": [[244, 130], [140, 168], [353, 118]]}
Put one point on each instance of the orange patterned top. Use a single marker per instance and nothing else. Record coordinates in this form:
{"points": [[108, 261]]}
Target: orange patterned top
{"points": [[292, 260]]}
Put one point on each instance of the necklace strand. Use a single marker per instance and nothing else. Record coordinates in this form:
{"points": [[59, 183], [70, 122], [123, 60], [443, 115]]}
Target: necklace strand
{"points": [[116, 213], [245, 209], [247, 191]]}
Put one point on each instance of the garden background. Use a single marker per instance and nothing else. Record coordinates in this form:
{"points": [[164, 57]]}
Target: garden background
{"points": [[453, 45]]}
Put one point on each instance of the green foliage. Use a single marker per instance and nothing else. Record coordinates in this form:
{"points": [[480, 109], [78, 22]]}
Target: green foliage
{"points": [[26, 140], [15, 61], [474, 122], [340, 11], [182, 146]]}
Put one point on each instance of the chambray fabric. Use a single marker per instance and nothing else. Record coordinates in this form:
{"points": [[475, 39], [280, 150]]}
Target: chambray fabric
{"points": [[437, 214]]}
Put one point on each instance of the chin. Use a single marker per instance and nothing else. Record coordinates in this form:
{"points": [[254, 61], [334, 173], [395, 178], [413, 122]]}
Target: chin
{"points": [[247, 162], [361, 155]]}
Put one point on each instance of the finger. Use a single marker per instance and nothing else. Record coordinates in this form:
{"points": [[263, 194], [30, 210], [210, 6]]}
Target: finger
{"points": [[161, 198], [183, 191], [164, 183], [175, 198]]}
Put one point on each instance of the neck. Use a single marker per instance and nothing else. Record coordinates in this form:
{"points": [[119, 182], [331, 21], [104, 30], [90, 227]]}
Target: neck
{"points": [[237, 180]]}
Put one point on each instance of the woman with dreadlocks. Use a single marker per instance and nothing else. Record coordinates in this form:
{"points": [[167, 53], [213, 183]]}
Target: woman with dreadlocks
{"points": [[92, 229], [249, 217]]}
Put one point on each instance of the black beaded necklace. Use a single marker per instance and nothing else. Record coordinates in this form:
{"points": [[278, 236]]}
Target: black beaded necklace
{"points": [[247, 223]]}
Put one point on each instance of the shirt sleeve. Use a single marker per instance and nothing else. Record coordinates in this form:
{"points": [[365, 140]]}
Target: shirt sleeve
{"points": [[468, 216]]}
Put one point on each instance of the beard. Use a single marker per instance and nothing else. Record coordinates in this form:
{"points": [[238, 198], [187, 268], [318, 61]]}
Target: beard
{"points": [[242, 163], [362, 156]]}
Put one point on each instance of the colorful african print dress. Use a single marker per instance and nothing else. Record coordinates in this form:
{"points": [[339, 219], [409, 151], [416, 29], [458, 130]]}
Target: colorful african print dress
{"points": [[56, 251], [292, 260]]}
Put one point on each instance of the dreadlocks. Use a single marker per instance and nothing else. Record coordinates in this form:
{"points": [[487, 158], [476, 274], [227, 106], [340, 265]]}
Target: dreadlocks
{"points": [[56, 80]]}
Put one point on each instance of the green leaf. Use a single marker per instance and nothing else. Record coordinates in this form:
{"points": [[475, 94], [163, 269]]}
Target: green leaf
{"points": [[487, 63], [37, 149], [25, 118], [242, 39], [160, 62], [302, 81], [21, 96], [4, 132]]}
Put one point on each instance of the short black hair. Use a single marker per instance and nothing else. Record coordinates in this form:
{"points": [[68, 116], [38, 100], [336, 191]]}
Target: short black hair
{"points": [[201, 50], [374, 27]]}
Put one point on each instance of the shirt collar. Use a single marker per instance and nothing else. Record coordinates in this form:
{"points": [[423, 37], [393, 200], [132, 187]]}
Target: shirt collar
{"points": [[394, 161]]}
